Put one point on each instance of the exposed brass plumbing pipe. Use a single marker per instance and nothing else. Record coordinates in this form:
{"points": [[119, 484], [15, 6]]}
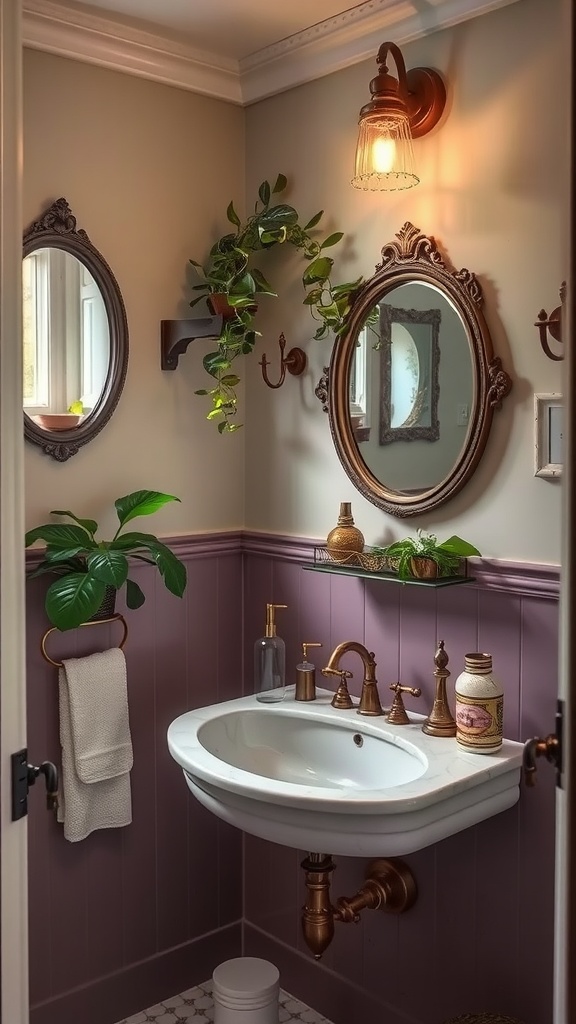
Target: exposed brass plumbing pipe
{"points": [[389, 886]]}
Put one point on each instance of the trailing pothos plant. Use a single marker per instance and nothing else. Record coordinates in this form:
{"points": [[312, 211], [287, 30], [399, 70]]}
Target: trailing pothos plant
{"points": [[230, 272], [85, 567]]}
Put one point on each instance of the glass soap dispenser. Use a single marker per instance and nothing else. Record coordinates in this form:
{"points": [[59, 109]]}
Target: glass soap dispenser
{"points": [[270, 661]]}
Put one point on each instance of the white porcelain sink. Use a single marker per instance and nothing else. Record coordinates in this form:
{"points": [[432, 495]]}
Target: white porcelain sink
{"points": [[327, 781]]}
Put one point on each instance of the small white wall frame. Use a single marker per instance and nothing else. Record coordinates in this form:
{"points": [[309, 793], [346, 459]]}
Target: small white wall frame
{"points": [[548, 435]]}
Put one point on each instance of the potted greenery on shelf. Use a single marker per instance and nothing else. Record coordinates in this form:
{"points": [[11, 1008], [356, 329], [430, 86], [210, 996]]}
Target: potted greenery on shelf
{"points": [[422, 557], [228, 276], [87, 569]]}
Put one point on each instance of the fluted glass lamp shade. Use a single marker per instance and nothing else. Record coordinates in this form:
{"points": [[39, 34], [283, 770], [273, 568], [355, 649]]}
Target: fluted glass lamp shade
{"points": [[384, 154], [400, 109]]}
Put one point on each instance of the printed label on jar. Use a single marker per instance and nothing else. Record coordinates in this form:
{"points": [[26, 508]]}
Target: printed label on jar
{"points": [[479, 722]]}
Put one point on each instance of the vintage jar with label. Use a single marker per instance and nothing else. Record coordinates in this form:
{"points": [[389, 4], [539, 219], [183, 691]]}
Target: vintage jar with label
{"points": [[479, 706]]}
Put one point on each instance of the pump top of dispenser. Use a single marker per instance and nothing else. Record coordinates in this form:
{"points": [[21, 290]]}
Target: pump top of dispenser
{"points": [[305, 647], [270, 623]]}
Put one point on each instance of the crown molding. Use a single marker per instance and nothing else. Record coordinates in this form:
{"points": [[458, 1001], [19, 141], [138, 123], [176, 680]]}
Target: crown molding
{"points": [[336, 43], [55, 28]]}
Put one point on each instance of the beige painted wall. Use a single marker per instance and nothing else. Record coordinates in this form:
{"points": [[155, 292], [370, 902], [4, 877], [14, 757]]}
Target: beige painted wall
{"points": [[493, 179], [147, 170]]}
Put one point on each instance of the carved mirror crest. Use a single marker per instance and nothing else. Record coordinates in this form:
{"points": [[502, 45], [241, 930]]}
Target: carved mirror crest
{"points": [[413, 382], [75, 335]]}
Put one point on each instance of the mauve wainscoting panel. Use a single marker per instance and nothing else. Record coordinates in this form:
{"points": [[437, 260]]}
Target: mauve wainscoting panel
{"points": [[480, 937], [134, 914]]}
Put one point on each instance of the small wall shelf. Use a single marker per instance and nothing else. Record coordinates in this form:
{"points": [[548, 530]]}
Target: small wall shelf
{"points": [[324, 563], [176, 335]]}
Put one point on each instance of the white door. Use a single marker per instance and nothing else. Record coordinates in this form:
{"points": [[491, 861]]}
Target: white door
{"points": [[13, 868]]}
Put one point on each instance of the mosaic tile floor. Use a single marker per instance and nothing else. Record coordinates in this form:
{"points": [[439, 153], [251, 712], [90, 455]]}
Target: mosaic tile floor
{"points": [[196, 1007]]}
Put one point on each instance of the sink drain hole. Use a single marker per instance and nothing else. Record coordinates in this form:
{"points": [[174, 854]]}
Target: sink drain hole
{"points": [[358, 739]]}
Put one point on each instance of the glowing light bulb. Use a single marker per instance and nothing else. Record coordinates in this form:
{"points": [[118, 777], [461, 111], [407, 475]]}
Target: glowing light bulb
{"points": [[383, 155]]}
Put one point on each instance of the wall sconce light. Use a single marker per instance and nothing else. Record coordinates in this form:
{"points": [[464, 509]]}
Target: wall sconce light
{"points": [[401, 109]]}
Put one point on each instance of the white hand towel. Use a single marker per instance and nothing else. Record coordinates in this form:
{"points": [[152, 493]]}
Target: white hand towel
{"points": [[96, 744]]}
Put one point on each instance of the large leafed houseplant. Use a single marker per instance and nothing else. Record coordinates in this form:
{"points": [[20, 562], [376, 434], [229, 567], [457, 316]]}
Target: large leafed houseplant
{"points": [[229, 274], [86, 569]]}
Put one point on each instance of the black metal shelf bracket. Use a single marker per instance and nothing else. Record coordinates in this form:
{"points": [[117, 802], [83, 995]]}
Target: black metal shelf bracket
{"points": [[176, 335]]}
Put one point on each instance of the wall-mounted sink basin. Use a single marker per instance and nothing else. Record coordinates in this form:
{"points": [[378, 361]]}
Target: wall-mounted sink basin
{"points": [[318, 779]]}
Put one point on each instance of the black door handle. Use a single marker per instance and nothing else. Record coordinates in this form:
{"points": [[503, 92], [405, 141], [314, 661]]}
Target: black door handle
{"points": [[24, 776]]}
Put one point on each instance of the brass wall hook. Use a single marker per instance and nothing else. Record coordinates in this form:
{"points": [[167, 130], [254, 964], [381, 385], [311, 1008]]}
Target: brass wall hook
{"points": [[294, 362], [553, 325]]}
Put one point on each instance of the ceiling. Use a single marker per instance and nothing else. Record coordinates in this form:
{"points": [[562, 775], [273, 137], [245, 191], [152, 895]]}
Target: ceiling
{"points": [[240, 51]]}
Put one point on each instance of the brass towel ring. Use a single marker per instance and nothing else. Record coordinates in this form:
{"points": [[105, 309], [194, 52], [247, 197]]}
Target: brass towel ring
{"points": [[97, 622]]}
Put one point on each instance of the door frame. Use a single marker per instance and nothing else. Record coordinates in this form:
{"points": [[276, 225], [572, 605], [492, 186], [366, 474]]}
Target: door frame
{"points": [[13, 836]]}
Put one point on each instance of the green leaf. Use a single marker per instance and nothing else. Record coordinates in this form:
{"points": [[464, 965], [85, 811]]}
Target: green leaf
{"points": [[141, 503], [319, 270], [60, 535], [315, 220], [172, 570], [332, 239], [88, 524], [53, 555], [194, 302], [280, 183], [456, 546], [202, 391], [230, 380], [321, 333], [278, 216], [213, 362], [232, 215], [73, 599], [110, 566], [261, 284], [264, 193], [134, 596]]}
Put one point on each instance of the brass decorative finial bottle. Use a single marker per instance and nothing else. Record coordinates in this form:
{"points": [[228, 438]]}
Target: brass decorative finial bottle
{"points": [[345, 540], [440, 721]]}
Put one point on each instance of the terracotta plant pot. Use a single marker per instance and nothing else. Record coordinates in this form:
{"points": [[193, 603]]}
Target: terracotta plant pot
{"points": [[219, 306]]}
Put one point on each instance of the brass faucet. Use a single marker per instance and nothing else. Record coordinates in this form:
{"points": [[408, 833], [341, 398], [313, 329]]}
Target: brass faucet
{"points": [[369, 698]]}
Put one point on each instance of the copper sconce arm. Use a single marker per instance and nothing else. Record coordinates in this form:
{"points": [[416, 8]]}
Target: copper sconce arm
{"points": [[389, 886], [551, 325], [294, 362]]}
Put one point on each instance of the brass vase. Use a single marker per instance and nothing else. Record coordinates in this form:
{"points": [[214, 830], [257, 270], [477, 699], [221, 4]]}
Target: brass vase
{"points": [[345, 541]]}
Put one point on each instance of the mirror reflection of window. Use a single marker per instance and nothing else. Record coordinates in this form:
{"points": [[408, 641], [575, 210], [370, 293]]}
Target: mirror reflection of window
{"points": [[65, 333], [404, 376], [359, 380]]}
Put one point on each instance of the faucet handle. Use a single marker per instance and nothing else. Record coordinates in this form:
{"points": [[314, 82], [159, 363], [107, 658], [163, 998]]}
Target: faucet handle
{"points": [[398, 714], [341, 699]]}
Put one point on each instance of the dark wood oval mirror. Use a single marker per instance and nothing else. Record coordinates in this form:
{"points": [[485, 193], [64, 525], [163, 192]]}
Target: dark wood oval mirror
{"points": [[413, 381], [75, 335]]}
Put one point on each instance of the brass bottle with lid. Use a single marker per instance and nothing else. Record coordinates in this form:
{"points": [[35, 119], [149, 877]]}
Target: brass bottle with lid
{"points": [[345, 540], [306, 676]]}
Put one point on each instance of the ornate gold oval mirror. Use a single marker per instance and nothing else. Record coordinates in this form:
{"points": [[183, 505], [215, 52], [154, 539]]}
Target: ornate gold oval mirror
{"points": [[413, 381], [75, 335]]}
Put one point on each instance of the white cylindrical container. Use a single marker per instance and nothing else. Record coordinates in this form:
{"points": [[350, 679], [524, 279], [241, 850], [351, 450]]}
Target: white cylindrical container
{"points": [[479, 706], [245, 991]]}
